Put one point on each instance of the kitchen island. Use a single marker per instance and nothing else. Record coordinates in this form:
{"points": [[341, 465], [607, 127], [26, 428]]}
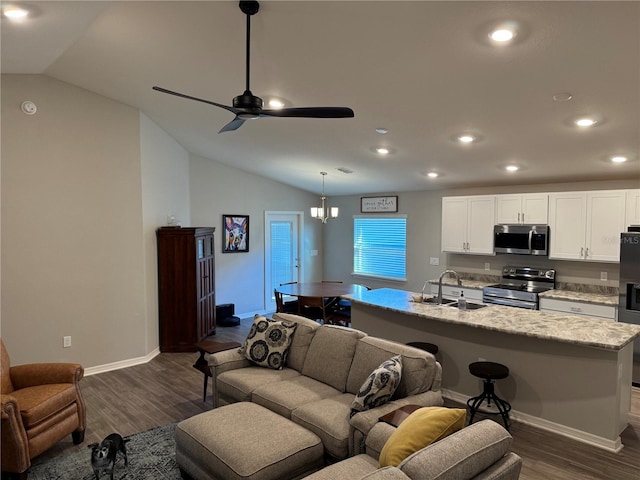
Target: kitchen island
{"points": [[568, 374]]}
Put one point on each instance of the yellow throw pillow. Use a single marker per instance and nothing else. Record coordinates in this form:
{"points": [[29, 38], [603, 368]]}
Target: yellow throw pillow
{"points": [[423, 427]]}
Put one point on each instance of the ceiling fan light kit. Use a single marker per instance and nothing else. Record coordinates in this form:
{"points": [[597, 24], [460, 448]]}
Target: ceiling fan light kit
{"points": [[249, 106]]}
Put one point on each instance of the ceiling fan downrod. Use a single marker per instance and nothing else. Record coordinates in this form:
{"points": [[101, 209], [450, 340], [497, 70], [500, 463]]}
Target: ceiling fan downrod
{"points": [[248, 100]]}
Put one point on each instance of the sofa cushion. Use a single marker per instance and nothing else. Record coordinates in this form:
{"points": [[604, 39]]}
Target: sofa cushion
{"points": [[350, 469], [329, 419], [379, 386], [463, 454], [423, 427], [386, 473], [301, 338], [330, 355], [285, 396], [238, 385], [268, 341], [418, 366]]}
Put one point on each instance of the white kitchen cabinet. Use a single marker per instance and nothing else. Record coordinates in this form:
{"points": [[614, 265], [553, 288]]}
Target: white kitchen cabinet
{"points": [[633, 207], [467, 224], [586, 225], [530, 208], [582, 309]]}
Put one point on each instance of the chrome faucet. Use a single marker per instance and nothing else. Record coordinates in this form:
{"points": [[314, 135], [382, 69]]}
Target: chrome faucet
{"points": [[423, 289], [455, 274]]}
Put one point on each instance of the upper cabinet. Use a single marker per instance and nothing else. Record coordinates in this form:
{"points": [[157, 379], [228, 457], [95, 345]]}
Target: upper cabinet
{"points": [[523, 209], [633, 207], [467, 224], [586, 225]]}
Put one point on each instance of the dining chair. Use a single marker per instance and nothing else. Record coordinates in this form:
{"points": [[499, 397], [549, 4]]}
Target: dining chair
{"points": [[289, 302], [313, 308], [282, 306]]}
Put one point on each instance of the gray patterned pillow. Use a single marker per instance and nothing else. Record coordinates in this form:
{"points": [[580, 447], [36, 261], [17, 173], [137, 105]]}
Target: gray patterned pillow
{"points": [[268, 342], [379, 386]]}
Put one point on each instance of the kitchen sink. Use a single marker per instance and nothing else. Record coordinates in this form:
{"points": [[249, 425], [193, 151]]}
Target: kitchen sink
{"points": [[470, 306], [434, 301]]}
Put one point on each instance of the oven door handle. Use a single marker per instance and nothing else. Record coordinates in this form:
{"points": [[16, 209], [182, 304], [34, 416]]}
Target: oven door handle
{"points": [[509, 302], [530, 239]]}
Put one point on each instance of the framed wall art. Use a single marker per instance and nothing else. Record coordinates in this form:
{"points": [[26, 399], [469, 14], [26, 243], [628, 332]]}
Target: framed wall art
{"points": [[236, 233], [379, 204]]}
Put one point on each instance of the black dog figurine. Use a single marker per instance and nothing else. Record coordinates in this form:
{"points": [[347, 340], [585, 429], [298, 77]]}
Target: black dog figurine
{"points": [[104, 454]]}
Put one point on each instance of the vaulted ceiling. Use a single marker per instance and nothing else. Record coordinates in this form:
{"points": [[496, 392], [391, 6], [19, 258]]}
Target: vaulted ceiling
{"points": [[426, 72]]}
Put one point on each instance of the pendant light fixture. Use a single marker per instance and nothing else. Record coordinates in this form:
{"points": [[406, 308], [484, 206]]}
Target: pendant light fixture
{"points": [[323, 213]]}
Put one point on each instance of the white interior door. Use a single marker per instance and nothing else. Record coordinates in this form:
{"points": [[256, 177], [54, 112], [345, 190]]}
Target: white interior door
{"points": [[282, 252]]}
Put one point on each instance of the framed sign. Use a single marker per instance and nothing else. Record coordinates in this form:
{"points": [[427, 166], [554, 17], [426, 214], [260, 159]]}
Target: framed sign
{"points": [[236, 233], [378, 204]]}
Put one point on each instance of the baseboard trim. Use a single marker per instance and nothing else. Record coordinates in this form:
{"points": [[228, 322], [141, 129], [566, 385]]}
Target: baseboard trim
{"points": [[122, 363], [575, 434]]}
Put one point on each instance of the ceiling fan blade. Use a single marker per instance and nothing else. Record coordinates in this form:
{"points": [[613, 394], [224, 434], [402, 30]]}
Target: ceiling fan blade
{"points": [[234, 124], [177, 94], [310, 112]]}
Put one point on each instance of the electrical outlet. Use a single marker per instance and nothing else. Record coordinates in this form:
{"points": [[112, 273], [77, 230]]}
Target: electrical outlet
{"points": [[434, 261], [487, 266], [66, 342], [604, 276]]}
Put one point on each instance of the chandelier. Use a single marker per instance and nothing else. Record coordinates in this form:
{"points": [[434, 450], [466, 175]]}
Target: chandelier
{"points": [[323, 213]]}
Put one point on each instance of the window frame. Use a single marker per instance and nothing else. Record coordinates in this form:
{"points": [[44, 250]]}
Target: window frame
{"points": [[354, 259]]}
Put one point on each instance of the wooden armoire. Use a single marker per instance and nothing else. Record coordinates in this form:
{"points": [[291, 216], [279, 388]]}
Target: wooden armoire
{"points": [[186, 287]]}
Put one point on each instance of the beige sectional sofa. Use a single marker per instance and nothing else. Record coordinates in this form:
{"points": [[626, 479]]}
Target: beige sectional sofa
{"points": [[477, 452], [325, 368]]}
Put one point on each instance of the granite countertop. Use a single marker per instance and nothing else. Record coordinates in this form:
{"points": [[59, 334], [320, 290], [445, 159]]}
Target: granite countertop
{"points": [[530, 323], [572, 292], [584, 297]]}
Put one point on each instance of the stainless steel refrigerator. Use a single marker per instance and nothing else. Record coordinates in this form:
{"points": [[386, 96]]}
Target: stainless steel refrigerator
{"points": [[629, 302]]}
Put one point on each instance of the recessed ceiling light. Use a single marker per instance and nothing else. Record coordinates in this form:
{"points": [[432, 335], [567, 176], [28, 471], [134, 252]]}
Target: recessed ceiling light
{"points": [[512, 168], [432, 175], [618, 159], [382, 131], [15, 13], [585, 122], [382, 150], [466, 138], [502, 35], [562, 97]]}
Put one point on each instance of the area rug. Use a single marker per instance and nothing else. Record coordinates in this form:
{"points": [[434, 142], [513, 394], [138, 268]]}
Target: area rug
{"points": [[151, 457]]}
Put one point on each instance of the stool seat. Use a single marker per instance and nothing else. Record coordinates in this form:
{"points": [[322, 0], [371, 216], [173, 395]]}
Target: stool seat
{"points": [[427, 347], [488, 370]]}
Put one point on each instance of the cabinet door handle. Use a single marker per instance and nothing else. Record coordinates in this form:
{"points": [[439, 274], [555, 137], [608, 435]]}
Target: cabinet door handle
{"points": [[575, 309], [518, 217], [581, 252], [586, 253], [522, 217]]}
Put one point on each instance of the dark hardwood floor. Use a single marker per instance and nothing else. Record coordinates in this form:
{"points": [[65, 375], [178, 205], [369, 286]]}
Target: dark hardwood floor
{"points": [[169, 389]]}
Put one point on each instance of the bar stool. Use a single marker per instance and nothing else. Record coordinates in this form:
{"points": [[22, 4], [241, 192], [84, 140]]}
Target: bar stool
{"points": [[489, 371], [428, 347]]}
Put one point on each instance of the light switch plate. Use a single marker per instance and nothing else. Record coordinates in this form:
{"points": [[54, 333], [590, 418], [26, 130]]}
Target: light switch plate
{"points": [[603, 276]]}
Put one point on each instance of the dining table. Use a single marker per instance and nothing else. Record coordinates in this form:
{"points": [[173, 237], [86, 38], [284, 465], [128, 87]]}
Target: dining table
{"points": [[321, 289]]}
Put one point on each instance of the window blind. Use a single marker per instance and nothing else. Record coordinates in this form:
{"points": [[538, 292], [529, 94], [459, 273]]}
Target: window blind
{"points": [[380, 246]]}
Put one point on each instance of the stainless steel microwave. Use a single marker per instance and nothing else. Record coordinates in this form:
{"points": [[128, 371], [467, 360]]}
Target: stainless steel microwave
{"points": [[521, 239]]}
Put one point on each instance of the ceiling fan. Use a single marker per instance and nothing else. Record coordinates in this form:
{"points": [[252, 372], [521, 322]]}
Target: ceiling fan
{"points": [[247, 106]]}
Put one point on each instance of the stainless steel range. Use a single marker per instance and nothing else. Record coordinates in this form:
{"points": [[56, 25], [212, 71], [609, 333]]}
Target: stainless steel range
{"points": [[520, 287]]}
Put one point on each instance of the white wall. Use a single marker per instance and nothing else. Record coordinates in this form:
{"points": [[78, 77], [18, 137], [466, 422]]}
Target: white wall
{"points": [[165, 191], [424, 218], [217, 189], [72, 256]]}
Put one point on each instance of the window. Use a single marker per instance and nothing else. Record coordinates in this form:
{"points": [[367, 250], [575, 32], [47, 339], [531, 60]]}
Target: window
{"points": [[380, 246]]}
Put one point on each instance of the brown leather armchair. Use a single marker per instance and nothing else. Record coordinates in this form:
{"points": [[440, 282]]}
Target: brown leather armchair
{"points": [[41, 404]]}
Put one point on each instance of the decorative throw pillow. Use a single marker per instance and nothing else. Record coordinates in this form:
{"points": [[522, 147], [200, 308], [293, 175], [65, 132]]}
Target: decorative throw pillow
{"points": [[379, 386], [268, 342], [423, 427]]}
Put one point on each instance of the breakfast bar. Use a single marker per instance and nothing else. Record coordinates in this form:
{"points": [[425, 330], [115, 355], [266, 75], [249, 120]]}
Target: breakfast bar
{"points": [[569, 374]]}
